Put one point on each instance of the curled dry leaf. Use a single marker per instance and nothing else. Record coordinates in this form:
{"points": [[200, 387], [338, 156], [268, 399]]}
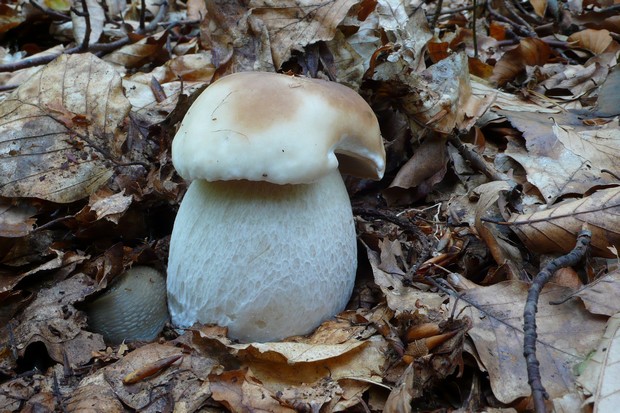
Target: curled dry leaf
{"points": [[149, 370], [562, 155], [94, 394], [596, 41], [109, 206], [555, 229], [53, 320], [180, 384], [530, 52], [417, 177], [601, 295], [60, 130], [292, 25], [140, 53], [399, 400], [574, 81], [288, 365], [497, 238], [16, 218]]}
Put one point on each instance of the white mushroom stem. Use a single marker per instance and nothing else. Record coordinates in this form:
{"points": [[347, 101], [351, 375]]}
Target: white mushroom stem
{"points": [[268, 261]]}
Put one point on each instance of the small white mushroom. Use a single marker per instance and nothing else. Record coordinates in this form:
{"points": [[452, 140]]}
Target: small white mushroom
{"points": [[133, 309], [264, 241]]}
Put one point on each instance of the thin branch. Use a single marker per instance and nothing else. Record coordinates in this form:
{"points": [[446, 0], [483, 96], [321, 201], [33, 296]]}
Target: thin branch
{"points": [[88, 29], [476, 161], [522, 30], [49, 12], [407, 226], [437, 13], [539, 393], [474, 30], [142, 13]]}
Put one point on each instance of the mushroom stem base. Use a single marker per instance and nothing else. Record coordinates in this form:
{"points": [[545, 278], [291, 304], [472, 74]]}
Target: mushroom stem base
{"points": [[268, 261]]}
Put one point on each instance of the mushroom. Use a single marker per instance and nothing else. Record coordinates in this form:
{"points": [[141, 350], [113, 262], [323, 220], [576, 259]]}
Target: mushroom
{"points": [[133, 309], [264, 241]]}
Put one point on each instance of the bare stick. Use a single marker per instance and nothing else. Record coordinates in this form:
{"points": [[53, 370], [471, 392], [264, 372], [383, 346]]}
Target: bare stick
{"points": [[539, 393]]}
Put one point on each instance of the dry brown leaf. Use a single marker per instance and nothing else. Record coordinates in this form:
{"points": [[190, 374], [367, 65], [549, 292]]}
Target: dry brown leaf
{"points": [[399, 400], [10, 17], [47, 260], [400, 298], [600, 373], [596, 41], [417, 177], [53, 320], [322, 396], [60, 129], [36, 392], [573, 81], [196, 10], [540, 6], [566, 335], [140, 53], [601, 295], [239, 391], [436, 97], [555, 229], [16, 218], [181, 385], [293, 25], [562, 155], [94, 394], [497, 238], [529, 52], [109, 206], [237, 40], [295, 363]]}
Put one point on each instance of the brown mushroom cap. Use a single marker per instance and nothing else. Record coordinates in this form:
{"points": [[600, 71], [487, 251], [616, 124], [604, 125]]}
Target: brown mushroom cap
{"points": [[277, 128]]}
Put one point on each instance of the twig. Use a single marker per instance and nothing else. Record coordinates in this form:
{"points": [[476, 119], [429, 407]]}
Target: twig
{"points": [[87, 31], [532, 16], [406, 226], [473, 28], [476, 161], [510, 7], [57, 393], [142, 13], [523, 30], [539, 393], [49, 12], [437, 13]]}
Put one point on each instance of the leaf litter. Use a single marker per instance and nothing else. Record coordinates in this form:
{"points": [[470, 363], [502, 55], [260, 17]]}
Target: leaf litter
{"points": [[499, 150]]}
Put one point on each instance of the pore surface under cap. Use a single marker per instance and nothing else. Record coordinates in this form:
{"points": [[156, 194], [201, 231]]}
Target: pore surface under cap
{"points": [[277, 128]]}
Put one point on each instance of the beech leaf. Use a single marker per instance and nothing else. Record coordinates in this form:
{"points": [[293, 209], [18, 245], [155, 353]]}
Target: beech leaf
{"points": [[60, 129]]}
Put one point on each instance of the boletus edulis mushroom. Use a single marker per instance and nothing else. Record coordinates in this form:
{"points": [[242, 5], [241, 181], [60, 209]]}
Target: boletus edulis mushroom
{"points": [[264, 241]]}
